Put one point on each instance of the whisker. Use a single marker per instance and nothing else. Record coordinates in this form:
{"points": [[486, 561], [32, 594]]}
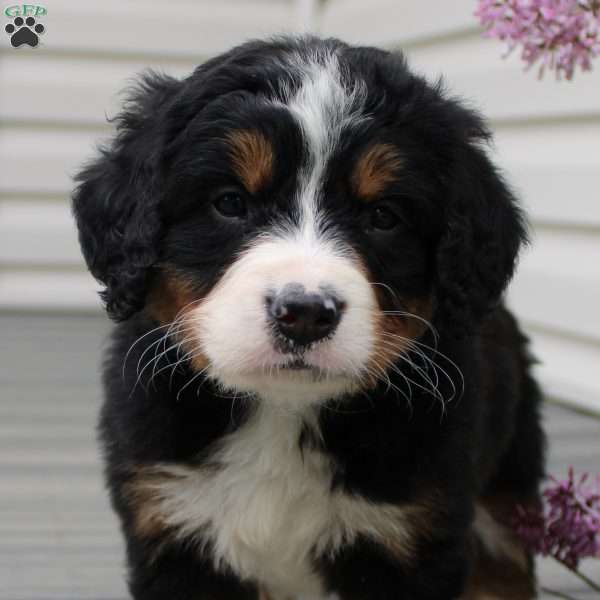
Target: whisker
{"points": [[434, 392], [188, 383], [447, 359], [382, 376], [403, 355], [141, 358], [188, 356], [435, 367], [434, 388], [450, 380], [139, 339], [169, 365], [154, 360], [176, 326], [428, 324], [145, 351], [156, 355], [386, 287], [401, 344]]}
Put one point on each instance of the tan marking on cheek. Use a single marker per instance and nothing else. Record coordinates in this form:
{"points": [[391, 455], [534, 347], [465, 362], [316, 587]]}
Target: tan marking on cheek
{"points": [[394, 333], [375, 170], [252, 157], [172, 298], [169, 296]]}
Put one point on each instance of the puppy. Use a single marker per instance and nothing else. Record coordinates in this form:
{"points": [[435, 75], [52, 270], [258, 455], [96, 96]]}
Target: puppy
{"points": [[314, 388]]}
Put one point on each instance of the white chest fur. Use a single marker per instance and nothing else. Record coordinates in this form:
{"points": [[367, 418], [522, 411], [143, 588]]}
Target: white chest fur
{"points": [[267, 507]]}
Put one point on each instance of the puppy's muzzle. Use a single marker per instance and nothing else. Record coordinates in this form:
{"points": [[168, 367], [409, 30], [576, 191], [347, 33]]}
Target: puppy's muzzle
{"points": [[300, 319]]}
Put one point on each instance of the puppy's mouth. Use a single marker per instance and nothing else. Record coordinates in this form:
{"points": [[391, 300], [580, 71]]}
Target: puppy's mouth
{"points": [[301, 369], [298, 364]]}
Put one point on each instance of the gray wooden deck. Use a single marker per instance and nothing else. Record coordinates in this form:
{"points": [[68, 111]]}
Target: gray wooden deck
{"points": [[58, 538]]}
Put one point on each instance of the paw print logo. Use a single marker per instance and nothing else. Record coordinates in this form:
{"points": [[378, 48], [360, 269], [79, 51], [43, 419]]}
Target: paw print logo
{"points": [[24, 32]]}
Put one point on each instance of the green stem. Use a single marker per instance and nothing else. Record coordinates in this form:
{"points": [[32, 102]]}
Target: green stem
{"points": [[593, 585], [558, 594], [586, 579]]}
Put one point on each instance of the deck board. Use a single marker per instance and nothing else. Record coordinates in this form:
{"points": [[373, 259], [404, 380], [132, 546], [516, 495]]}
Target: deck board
{"points": [[58, 537]]}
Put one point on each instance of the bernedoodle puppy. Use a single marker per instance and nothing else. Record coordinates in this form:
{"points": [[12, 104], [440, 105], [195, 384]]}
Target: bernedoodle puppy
{"points": [[314, 388]]}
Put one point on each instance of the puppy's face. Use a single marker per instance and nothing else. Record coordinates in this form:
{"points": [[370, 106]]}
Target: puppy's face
{"points": [[283, 211], [300, 197]]}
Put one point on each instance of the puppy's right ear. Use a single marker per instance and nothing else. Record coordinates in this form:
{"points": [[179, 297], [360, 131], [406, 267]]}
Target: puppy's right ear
{"points": [[116, 200]]}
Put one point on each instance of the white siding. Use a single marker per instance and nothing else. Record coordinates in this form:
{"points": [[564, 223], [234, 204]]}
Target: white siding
{"points": [[53, 102]]}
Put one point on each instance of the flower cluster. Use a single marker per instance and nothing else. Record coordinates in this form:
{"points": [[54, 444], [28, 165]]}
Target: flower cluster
{"points": [[560, 34], [567, 525]]}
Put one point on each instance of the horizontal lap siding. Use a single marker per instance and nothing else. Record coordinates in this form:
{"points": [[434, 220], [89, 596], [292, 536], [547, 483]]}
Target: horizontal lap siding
{"points": [[54, 102]]}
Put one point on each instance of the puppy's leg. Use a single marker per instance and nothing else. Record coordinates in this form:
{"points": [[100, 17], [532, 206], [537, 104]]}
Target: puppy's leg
{"points": [[503, 568], [177, 573]]}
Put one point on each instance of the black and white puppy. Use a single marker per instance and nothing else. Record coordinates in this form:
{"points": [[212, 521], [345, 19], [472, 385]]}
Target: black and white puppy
{"points": [[314, 388]]}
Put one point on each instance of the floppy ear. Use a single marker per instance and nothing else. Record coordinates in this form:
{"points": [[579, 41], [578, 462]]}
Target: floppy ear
{"points": [[484, 232], [116, 200]]}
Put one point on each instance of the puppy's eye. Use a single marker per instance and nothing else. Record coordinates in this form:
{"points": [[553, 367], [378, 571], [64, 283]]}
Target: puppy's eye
{"points": [[231, 205], [383, 218]]}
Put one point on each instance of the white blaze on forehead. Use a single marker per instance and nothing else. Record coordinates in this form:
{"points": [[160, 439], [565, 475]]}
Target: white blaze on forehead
{"points": [[234, 329], [323, 107]]}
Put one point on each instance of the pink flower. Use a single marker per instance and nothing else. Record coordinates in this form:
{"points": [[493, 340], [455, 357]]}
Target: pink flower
{"points": [[567, 525], [573, 520], [559, 34]]}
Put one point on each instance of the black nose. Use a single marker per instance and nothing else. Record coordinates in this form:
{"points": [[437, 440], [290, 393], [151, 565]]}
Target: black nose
{"points": [[303, 318]]}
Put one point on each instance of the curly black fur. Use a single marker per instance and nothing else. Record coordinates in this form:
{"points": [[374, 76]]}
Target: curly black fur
{"points": [[116, 201]]}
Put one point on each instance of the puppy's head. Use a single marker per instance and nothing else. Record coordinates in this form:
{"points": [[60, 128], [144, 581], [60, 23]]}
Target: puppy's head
{"points": [[301, 210]]}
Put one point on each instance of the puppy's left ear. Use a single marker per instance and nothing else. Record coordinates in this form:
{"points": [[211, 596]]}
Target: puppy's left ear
{"points": [[484, 231], [117, 197]]}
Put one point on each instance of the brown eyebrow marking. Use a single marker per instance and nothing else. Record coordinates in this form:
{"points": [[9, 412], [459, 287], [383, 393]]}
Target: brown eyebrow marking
{"points": [[252, 157], [375, 169]]}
